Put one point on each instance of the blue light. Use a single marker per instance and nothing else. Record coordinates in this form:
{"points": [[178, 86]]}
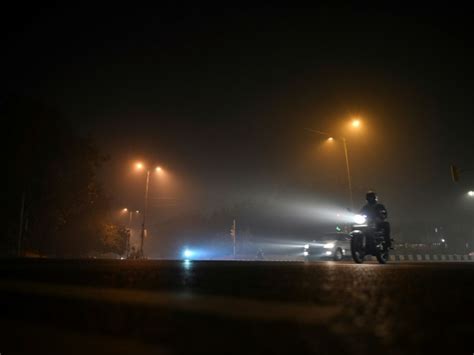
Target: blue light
{"points": [[187, 253]]}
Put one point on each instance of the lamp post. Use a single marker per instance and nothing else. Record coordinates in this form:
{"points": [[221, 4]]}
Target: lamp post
{"points": [[142, 234], [356, 124], [130, 214], [141, 166], [349, 179], [130, 218]]}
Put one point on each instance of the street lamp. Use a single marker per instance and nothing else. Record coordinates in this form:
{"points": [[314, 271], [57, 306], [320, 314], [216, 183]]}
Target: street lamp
{"points": [[130, 213], [470, 193], [356, 124], [141, 166]]}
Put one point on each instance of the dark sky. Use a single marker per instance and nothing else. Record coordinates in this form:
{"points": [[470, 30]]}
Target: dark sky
{"points": [[222, 97]]}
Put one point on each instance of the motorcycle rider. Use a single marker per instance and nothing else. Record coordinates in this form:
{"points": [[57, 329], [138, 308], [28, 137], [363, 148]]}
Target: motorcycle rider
{"points": [[376, 213]]}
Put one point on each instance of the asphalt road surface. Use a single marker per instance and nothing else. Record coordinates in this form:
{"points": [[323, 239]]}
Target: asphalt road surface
{"points": [[176, 307]]}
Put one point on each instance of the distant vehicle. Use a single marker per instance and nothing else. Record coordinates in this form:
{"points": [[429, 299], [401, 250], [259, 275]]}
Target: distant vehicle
{"points": [[335, 246]]}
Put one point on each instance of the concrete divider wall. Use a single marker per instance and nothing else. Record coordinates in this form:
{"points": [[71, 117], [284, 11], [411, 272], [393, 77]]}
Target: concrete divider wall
{"points": [[393, 257], [430, 257]]}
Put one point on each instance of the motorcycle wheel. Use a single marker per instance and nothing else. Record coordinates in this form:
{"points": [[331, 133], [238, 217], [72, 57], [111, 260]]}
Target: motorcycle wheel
{"points": [[357, 251], [382, 257]]}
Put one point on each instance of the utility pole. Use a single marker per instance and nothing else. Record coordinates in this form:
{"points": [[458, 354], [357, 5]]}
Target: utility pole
{"points": [[233, 233]]}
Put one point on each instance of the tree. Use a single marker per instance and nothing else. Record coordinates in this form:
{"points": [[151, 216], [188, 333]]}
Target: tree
{"points": [[56, 172], [114, 238]]}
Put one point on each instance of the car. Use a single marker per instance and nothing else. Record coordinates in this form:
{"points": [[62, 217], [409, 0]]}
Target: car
{"points": [[335, 246]]}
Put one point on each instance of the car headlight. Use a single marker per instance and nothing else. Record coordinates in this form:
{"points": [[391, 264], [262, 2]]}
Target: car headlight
{"points": [[305, 253], [306, 246], [360, 219], [328, 246]]}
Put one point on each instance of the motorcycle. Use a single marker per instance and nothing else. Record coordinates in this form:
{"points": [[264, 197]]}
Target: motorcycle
{"points": [[366, 239]]}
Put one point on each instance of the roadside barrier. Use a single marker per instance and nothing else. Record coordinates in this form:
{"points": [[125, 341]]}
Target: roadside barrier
{"points": [[431, 257], [393, 257]]}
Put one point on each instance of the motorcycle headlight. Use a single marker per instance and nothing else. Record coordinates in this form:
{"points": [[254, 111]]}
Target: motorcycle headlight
{"points": [[360, 219], [328, 246]]}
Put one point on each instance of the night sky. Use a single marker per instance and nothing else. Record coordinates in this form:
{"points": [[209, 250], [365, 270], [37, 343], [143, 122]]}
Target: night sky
{"points": [[221, 99]]}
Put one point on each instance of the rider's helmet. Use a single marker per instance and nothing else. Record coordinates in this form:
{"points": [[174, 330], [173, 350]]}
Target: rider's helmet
{"points": [[371, 197]]}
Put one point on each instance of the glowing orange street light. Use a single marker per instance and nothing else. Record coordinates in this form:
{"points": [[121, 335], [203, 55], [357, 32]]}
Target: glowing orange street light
{"points": [[356, 123], [330, 139], [158, 169], [139, 166], [125, 210]]}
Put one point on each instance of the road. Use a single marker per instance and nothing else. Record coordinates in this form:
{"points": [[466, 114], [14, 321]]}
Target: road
{"points": [[176, 307]]}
